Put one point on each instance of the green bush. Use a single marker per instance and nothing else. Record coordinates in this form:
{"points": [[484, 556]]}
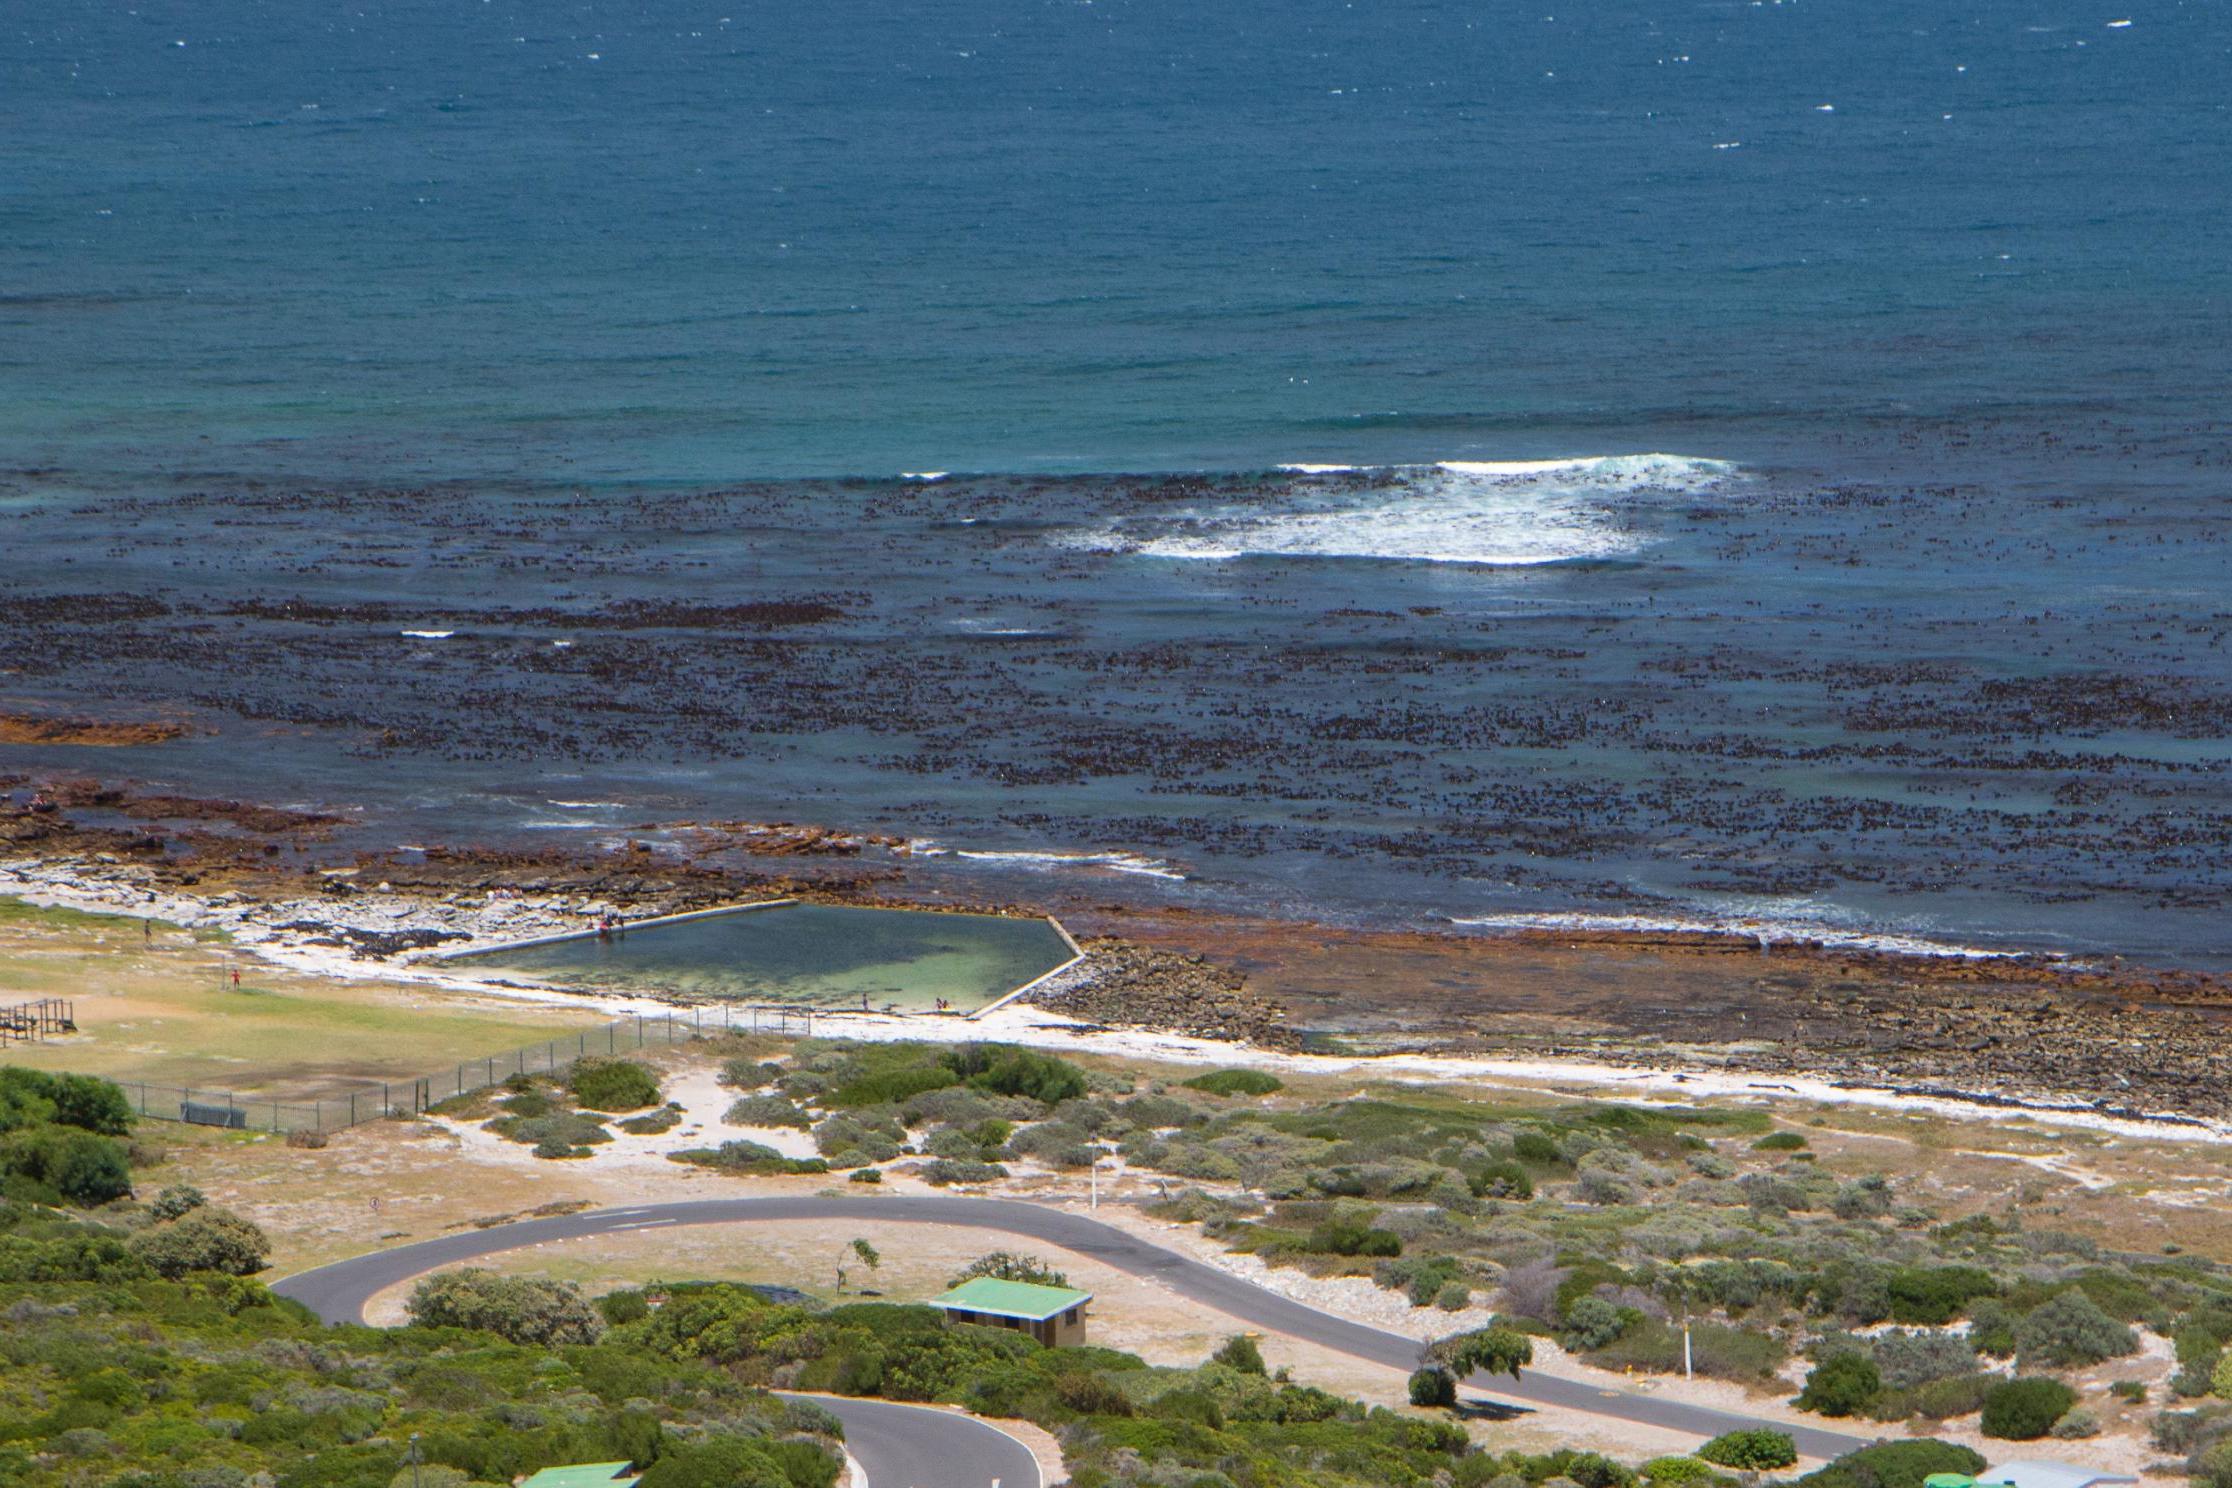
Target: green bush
{"points": [[948, 1170], [767, 1110], [1240, 1352], [753, 1159], [203, 1239], [1841, 1385], [1009, 1265], [1593, 1323], [2211, 1467], [1500, 1180], [1236, 1082], [1899, 1464], [1782, 1141], [2026, 1409], [1536, 1150], [1433, 1387], [1671, 1470], [1010, 1071], [77, 1166], [1756, 1450], [1933, 1297], [2069, 1332], [613, 1085], [1353, 1237], [892, 1086], [517, 1309], [1908, 1359]]}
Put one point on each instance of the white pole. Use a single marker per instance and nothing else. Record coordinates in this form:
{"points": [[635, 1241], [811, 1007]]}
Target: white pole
{"points": [[1687, 1371]]}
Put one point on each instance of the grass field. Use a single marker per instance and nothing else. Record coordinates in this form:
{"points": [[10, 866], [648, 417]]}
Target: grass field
{"points": [[157, 1003]]}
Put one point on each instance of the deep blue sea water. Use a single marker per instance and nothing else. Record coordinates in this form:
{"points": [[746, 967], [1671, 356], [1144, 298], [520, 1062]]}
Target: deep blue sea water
{"points": [[480, 309]]}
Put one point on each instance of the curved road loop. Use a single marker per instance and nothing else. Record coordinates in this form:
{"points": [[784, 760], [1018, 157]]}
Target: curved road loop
{"points": [[921, 1446], [339, 1292]]}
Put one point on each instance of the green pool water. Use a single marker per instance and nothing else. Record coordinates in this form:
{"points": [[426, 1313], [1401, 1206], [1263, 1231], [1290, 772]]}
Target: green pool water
{"points": [[814, 955]]}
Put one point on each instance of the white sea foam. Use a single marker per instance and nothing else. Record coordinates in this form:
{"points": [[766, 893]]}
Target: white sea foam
{"points": [[1114, 862], [430, 635], [1509, 512], [1767, 930]]}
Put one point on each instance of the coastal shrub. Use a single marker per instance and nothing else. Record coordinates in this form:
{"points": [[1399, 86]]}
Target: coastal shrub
{"points": [[1537, 1150], [1899, 1464], [652, 1123], [1671, 1470], [2211, 1467], [176, 1202], [1840, 1385], [2131, 1391], [1756, 1450], [1155, 1111], [865, 1175], [767, 1110], [1782, 1141], [1908, 1358], [1717, 1351], [601, 1084], [1938, 1400], [891, 1086], [1992, 1329], [853, 1139], [566, 1129], [2026, 1409], [1010, 1265], [517, 1309], [2070, 1331], [948, 1170], [1231, 1082], [1349, 1236], [1868, 1198], [203, 1239], [2184, 1431], [1433, 1387], [1935, 1296], [1455, 1296], [1592, 1323], [33, 1098], [1492, 1350], [1596, 1186], [753, 1159], [2076, 1424], [1240, 1352], [1500, 1180], [1005, 1070], [65, 1164]]}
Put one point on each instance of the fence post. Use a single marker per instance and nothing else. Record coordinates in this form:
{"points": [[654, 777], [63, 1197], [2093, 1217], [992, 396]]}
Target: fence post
{"points": [[352, 1108]]}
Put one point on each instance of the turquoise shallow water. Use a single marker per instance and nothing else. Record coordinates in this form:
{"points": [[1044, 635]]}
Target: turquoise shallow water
{"points": [[811, 954], [453, 413]]}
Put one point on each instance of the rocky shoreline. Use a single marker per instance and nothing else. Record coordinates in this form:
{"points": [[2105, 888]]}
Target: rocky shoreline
{"points": [[2113, 1039]]}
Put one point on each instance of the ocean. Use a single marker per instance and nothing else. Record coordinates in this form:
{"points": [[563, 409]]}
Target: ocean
{"points": [[1743, 464]]}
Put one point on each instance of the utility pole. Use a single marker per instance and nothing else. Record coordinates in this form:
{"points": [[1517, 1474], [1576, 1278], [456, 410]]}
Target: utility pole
{"points": [[414, 1460]]}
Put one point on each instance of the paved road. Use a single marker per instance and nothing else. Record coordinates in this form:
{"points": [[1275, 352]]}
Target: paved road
{"points": [[339, 1292], [920, 1446]]}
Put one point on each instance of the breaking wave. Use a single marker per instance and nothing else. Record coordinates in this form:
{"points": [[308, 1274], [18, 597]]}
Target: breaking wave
{"points": [[1455, 511]]}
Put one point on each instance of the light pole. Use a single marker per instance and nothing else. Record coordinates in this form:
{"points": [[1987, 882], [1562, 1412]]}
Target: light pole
{"points": [[414, 1460], [1097, 1156]]}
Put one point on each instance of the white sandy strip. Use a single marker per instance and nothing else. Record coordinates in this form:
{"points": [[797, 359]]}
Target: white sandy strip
{"points": [[495, 918]]}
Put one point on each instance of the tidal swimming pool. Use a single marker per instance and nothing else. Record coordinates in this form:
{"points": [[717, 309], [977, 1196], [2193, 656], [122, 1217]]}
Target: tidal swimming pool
{"points": [[813, 955]]}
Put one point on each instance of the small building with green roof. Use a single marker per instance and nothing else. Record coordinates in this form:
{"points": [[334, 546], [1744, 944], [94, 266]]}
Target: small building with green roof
{"points": [[1055, 1316], [580, 1475]]}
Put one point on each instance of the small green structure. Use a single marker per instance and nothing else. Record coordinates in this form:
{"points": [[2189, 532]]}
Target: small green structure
{"points": [[1055, 1316], [580, 1475]]}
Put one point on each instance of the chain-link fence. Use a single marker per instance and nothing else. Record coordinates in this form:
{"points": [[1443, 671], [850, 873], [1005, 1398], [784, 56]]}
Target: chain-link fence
{"points": [[208, 1106]]}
